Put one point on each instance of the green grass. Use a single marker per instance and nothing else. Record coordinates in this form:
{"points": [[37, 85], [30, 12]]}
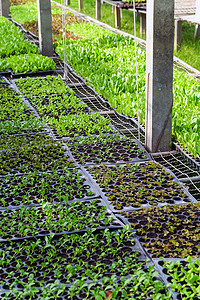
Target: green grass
{"points": [[190, 48]]}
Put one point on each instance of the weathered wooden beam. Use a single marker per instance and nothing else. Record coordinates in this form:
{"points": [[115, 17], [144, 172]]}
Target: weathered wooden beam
{"points": [[197, 31], [4, 8], [159, 74], [117, 17], [177, 34], [80, 4], [142, 24], [197, 26], [45, 27], [98, 9]]}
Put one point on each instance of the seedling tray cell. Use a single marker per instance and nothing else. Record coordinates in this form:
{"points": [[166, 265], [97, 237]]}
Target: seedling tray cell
{"points": [[170, 231], [107, 149], [59, 219], [141, 185], [22, 115], [35, 188]]}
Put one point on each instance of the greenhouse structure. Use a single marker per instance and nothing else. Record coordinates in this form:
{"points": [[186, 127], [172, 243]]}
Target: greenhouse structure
{"points": [[100, 149]]}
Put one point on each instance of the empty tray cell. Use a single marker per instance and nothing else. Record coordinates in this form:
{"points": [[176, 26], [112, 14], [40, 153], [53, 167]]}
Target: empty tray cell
{"points": [[133, 134], [194, 188], [83, 91], [96, 103]]}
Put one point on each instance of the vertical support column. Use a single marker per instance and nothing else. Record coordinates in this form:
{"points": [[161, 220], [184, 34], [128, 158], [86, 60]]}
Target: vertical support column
{"points": [[177, 35], [197, 26], [159, 74], [45, 27], [197, 31], [142, 23], [117, 17], [67, 2], [80, 4], [4, 8], [98, 9]]}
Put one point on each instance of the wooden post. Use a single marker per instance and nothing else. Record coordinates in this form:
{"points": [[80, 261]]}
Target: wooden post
{"points": [[45, 27], [159, 74], [4, 8], [117, 17], [80, 3], [98, 9], [142, 24], [197, 27], [197, 31], [177, 35], [67, 2]]}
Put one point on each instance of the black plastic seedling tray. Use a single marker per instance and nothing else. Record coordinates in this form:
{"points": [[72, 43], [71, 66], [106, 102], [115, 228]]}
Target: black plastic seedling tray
{"points": [[45, 158], [63, 111], [7, 73], [33, 74], [171, 231], [73, 133], [34, 262], [118, 151], [40, 220], [32, 197], [136, 188]]}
